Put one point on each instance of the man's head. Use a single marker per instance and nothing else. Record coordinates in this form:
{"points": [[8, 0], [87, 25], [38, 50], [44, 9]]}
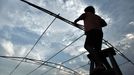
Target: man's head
{"points": [[90, 9]]}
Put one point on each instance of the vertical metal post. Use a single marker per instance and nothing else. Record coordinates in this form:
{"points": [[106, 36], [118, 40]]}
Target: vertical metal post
{"points": [[92, 66], [110, 70], [115, 65]]}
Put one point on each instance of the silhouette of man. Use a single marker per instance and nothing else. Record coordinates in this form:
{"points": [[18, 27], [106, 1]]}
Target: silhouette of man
{"points": [[94, 34]]}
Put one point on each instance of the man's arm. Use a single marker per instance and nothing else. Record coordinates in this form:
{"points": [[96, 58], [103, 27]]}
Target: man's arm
{"points": [[79, 18]]}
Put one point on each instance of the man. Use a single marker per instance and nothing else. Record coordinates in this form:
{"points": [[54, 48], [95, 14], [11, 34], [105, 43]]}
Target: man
{"points": [[94, 34]]}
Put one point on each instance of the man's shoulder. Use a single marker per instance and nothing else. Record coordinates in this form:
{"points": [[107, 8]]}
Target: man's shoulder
{"points": [[97, 15]]}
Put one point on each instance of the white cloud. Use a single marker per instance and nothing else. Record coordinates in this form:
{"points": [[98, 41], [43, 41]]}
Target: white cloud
{"points": [[22, 51], [8, 47], [35, 55], [130, 36], [72, 51], [131, 23], [82, 49], [126, 42], [72, 62]]}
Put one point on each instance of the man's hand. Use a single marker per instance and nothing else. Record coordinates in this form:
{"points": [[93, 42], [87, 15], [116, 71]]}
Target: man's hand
{"points": [[75, 23]]}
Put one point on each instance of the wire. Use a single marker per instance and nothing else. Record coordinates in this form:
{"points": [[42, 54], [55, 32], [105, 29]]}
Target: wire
{"points": [[73, 57], [81, 66], [71, 24], [38, 62], [47, 71], [58, 53], [52, 67], [66, 47], [65, 62], [120, 53], [32, 47], [55, 54]]}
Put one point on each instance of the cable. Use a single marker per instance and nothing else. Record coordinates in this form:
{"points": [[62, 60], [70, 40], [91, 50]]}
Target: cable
{"points": [[73, 57], [81, 66], [38, 62], [120, 53], [65, 62], [32, 47], [115, 48], [47, 71], [55, 54], [69, 23], [66, 47]]}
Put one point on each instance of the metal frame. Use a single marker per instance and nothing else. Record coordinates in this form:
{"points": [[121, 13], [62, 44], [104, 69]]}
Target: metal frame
{"points": [[112, 67]]}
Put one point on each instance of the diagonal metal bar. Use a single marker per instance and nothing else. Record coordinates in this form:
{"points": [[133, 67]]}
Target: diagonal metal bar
{"points": [[38, 62], [55, 54], [32, 47], [55, 15]]}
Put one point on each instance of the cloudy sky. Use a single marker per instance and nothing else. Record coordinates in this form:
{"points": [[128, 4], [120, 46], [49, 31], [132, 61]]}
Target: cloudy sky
{"points": [[21, 25]]}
